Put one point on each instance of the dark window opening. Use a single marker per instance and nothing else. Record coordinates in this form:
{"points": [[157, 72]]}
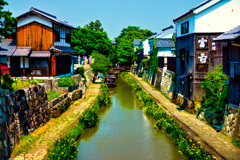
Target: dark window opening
{"points": [[68, 37], [185, 27], [187, 56], [56, 36]]}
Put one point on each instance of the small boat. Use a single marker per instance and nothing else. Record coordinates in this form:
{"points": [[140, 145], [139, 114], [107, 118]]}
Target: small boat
{"points": [[110, 80]]}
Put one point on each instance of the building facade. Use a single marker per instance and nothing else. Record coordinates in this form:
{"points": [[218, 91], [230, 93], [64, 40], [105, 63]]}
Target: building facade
{"points": [[43, 45], [196, 52]]}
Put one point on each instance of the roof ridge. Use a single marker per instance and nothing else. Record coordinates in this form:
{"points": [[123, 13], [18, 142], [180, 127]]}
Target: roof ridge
{"points": [[35, 9]]}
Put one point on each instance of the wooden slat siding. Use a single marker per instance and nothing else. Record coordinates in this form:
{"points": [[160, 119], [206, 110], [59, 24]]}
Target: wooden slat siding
{"points": [[34, 34]]}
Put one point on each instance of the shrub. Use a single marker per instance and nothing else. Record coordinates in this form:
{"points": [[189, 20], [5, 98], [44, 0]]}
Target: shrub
{"points": [[90, 117], [139, 74], [7, 82], [104, 99], [215, 91], [100, 63], [64, 148], [66, 82], [81, 71], [145, 64]]}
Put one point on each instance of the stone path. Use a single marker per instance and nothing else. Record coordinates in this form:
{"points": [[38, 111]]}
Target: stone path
{"points": [[216, 143], [55, 128]]}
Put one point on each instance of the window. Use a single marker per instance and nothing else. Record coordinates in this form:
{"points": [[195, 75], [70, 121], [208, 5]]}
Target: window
{"points": [[56, 36], [68, 37], [185, 27]]}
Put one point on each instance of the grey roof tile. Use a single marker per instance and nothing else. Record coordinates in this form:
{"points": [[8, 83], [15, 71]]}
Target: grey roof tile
{"points": [[22, 52], [49, 16], [40, 54], [8, 46], [165, 43], [229, 35], [63, 49]]}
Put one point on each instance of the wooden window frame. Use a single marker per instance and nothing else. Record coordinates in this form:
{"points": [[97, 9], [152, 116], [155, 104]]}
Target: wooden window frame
{"points": [[185, 27]]}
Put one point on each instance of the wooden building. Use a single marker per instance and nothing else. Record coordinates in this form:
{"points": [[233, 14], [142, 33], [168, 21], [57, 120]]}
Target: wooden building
{"points": [[43, 45], [231, 61], [196, 52]]}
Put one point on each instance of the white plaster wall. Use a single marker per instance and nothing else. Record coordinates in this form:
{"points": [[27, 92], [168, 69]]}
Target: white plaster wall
{"points": [[32, 18], [166, 34], [165, 53], [145, 47], [221, 17], [191, 26], [62, 42]]}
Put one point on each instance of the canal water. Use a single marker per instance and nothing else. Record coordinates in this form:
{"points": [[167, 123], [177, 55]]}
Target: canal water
{"points": [[125, 132]]}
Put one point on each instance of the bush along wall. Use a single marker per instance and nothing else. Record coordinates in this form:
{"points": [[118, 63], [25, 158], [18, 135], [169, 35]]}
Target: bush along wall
{"points": [[66, 147], [187, 146]]}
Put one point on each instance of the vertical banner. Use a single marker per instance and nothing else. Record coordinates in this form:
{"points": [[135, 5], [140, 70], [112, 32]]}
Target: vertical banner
{"points": [[90, 60]]}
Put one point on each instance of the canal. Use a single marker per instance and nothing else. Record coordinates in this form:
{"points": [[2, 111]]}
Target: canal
{"points": [[125, 132]]}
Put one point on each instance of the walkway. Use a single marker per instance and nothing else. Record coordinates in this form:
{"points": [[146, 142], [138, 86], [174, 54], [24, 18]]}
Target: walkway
{"points": [[214, 142], [53, 129]]}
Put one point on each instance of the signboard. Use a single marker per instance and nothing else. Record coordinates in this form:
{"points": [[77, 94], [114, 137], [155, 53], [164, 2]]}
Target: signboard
{"points": [[202, 58]]}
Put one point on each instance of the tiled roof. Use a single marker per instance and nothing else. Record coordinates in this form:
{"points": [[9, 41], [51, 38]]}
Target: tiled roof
{"points": [[40, 54], [136, 42], [229, 35], [8, 46], [48, 16], [22, 51], [62, 49], [165, 43]]}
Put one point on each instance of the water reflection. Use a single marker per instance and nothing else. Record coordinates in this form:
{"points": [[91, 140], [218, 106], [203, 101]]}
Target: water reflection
{"points": [[125, 132]]}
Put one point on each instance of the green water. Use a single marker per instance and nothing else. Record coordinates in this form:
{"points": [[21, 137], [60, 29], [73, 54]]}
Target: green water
{"points": [[125, 132]]}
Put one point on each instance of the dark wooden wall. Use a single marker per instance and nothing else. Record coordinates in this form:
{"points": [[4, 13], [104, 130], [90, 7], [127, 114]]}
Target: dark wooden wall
{"points": [[34, 34]]}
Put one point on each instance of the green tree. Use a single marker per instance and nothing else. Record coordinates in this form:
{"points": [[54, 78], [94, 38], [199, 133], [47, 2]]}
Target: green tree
{"points": [[154, 58], [7, 21], [100, 63], [125, 50], [97, 26], [175, 42], [85, 40], [215, 90]]}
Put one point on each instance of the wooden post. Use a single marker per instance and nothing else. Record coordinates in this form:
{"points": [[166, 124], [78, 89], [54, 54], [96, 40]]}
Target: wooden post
{"points": [[22, 78], [235, 133]]}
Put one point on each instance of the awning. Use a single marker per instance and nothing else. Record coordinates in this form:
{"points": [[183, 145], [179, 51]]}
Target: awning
{"points": [[185, 75], [22, 52], [62, 49], [229, 35], [40, 54]]}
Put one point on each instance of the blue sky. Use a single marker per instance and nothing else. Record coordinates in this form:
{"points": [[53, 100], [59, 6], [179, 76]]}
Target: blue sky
{"points": [[113, 14]]}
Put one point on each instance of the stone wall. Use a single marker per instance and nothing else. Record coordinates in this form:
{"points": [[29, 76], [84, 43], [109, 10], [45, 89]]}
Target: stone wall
{"points": [[21, 112], [77, 94], [230, 119], [165, 82]]}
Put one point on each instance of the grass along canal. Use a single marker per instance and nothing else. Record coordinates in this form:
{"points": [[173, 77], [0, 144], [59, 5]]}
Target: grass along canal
{"points": [[125, 132]]}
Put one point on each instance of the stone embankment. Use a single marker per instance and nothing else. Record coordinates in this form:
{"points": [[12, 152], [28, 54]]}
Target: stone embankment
{"points": [[30, 111], [216, 143]]}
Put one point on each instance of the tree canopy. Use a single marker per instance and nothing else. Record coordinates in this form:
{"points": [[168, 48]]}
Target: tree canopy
{"points": [[90, 39], [125, 51], [100, 63], [7, 21], [97, 26], [154, 57]]}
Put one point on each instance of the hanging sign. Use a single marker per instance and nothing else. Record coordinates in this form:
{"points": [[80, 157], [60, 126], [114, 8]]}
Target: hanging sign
{"points": [[202, 42]]}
